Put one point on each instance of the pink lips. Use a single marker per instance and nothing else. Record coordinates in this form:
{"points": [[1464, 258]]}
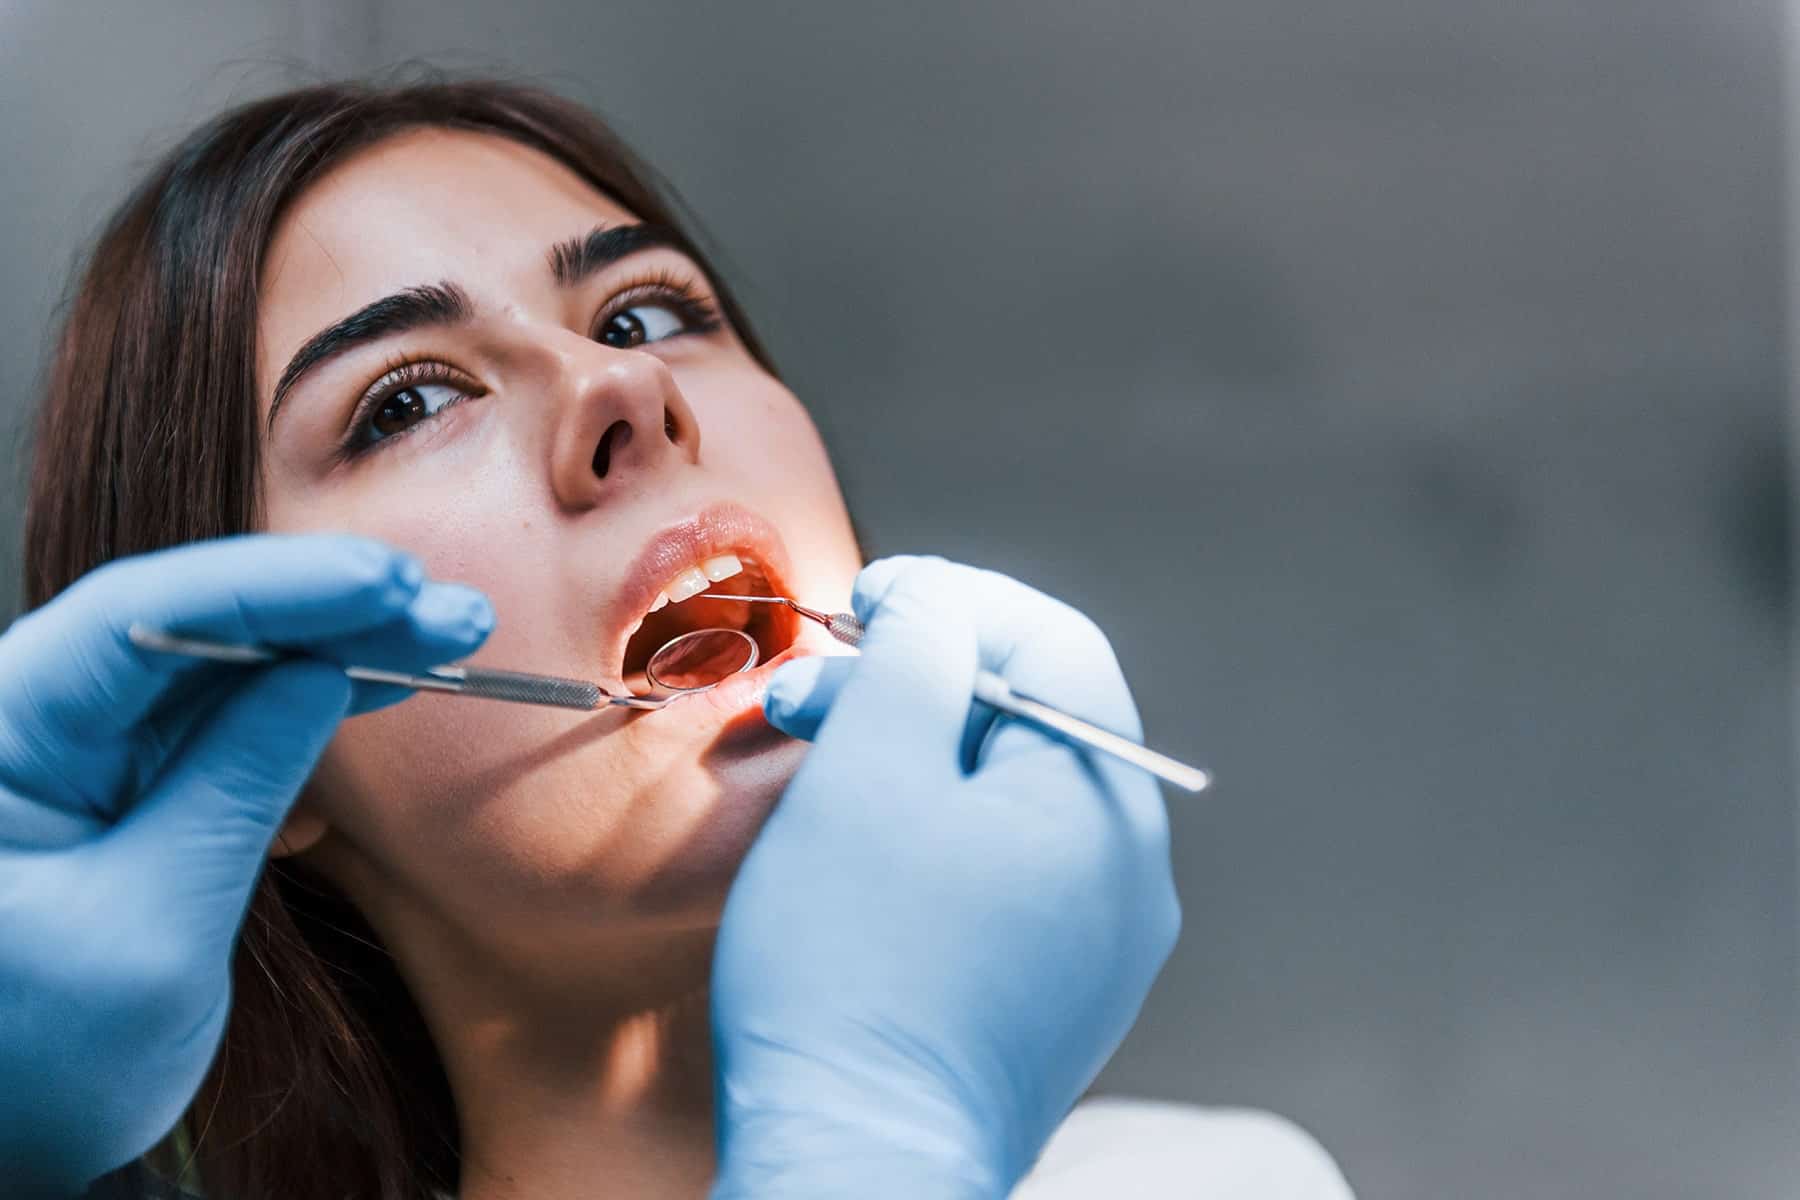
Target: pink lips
{"points": [[724, 528]]}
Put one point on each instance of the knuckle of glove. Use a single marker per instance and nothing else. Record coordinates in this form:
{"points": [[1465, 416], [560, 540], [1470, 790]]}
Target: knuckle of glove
{"points": [[1087, 677], [1170, 921], [1159, 904], [1085, 642], [877, 578], [921, 581], [920, 601], [368, 565], [239, 789], [110, 576]]}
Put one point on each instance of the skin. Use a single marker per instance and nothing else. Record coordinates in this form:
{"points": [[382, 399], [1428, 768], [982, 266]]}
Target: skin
{"points": [[550, 882]]}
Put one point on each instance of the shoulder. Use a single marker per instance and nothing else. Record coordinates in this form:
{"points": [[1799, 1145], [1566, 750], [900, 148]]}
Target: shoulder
{"points": [[1163, 1151]]}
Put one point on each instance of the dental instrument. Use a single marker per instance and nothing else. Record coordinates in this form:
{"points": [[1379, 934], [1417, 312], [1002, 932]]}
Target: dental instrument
{"points": [[738, 648], [486, 683], [995, 692]]}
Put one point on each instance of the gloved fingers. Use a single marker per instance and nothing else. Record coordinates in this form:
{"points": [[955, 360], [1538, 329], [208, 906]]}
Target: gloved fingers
{"points": [[1052, 652], [85, 675], [205, 823], [56, 795], [366, 697], [445, 622], [1017, 748], [1070, 665], [442, 623], [191, 699], [1038, 644], [916, 609], [29, 827], [1017, 751], [801, 693], [285, 589], [903, 707], [1129, 818]]}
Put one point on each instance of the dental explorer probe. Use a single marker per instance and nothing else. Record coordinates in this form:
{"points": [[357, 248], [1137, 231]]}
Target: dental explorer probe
{"points": [[995, 692]]}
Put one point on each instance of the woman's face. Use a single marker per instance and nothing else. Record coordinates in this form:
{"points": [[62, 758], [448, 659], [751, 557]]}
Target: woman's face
{"points": [[554, 412]]}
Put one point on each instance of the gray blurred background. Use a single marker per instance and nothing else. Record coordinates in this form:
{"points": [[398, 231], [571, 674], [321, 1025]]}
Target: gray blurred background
{"points": [[1400, 382]]}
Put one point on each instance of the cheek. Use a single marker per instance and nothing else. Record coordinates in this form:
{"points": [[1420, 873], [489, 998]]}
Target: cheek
{"points": [[415, 787], [750, 424], [758, 438], [528, 825], [457, 499], [453, 793]]}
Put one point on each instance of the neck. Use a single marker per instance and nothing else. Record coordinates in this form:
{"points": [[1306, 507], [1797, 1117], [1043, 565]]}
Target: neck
{"points": [[570, 1086], [586, 1086]]}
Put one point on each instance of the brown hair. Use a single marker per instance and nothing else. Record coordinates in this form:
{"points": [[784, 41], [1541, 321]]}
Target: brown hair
{"points": [[327, 1085]]}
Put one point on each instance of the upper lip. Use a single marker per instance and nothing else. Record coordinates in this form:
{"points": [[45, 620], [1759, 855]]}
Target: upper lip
{"points": [[724, 528]]}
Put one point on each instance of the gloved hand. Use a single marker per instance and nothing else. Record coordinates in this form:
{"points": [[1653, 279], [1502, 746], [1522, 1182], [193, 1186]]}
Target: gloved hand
{"points": [[947, 924], [139, 793]]}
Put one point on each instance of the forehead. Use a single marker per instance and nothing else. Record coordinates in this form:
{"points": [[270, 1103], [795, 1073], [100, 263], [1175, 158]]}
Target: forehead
{"points": [[421, 206]]}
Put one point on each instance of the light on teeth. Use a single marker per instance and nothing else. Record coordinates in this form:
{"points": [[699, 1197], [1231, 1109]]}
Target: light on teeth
{"points": [[694, 580], [689, 583], [722, 567]]}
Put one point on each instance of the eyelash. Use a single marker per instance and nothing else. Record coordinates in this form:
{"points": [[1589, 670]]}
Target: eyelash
{"points": [[698, 314]]}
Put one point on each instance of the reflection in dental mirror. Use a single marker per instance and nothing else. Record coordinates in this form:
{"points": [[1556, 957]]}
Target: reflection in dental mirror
{"points": [[700, 659]]}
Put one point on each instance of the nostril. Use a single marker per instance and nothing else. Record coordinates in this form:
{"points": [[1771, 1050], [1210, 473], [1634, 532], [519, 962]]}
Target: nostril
{"points": [[669, 425], [616, 437]]}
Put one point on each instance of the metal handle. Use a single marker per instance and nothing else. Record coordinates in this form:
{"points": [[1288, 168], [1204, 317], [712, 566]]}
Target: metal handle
{"points": [[994, 691], [483, 682]]}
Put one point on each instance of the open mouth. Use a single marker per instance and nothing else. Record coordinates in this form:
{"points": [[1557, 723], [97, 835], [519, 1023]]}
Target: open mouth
{"points": [[666, 590], [686, 604]]}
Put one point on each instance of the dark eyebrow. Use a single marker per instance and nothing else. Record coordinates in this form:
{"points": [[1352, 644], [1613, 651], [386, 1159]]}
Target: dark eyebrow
{"points": [[576, 259], [428, 304], [447, 304]]}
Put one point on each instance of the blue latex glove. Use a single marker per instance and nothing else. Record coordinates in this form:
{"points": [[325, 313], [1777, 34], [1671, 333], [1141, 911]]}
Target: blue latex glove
{"points": [[139, 793], [947, 925]]}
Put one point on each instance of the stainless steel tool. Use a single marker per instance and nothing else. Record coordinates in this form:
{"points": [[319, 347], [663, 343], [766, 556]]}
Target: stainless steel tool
{"points": [[724, 657], [484, 683], [994, 691]]}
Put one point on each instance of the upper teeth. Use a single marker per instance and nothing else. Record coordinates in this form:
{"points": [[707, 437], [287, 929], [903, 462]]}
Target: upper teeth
{"points": [[691, 581]]}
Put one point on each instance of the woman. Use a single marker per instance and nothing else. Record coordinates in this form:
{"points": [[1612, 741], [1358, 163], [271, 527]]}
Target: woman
{"points": [[461, 320]]}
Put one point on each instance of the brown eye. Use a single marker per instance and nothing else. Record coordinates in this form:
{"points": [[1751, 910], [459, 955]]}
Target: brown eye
{"points": [[639, 324], [409, 406]]}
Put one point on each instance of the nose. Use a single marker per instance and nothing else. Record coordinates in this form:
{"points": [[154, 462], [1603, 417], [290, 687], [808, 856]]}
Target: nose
{"points": [[623, 426]]}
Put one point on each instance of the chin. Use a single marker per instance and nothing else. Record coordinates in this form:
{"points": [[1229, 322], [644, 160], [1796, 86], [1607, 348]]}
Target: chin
{"points": [[704, 815]]}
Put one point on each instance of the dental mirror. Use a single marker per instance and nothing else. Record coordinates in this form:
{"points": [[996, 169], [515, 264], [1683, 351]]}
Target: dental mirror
{"points": [[701, 659]]}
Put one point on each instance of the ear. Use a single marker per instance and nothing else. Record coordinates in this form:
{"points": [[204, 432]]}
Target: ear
{"points": [[300, 832]]}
